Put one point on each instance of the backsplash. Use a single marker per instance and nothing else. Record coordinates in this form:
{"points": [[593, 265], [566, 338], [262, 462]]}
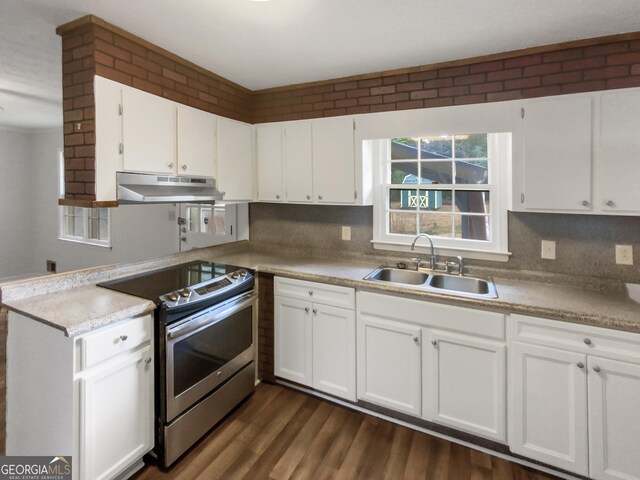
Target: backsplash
{"points": [[585, 244]]}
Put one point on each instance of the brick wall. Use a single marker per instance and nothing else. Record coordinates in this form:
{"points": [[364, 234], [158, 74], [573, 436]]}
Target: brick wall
{"points": [[265, 327], [587, 65], [91, 46]]}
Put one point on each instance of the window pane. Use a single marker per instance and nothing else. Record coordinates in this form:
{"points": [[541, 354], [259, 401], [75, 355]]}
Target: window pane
{"points": [[404, 149], [78, 226], [472, 201], [436, 172], [471, 146], [404, 172], [476, 227], [438, 225], [472, 171], [94, 228], [403, 199], [403, 223], [104, 230], [434, 148]]}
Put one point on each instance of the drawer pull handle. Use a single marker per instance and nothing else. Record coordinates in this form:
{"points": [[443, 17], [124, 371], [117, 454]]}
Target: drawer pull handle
{"points": [[587, 341], [315, 311], [123, 338], [580, 365], [585, 203], [147, 360], [596, 368], [434, 342], [610, 203], [306, 309], [416, 339], [311, 293]]}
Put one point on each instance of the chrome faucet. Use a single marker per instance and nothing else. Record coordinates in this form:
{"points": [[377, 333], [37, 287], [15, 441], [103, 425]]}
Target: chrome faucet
{"points": [[432, 260]]}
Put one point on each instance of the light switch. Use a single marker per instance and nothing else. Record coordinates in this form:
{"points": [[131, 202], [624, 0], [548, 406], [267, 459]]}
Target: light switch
{"points": [[624, 254], [346, 233], [548, 250]]}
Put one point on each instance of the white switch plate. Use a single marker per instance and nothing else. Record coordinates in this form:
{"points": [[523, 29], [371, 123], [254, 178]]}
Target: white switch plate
{"points": [[624, 254], [548, 249], [346, 233]]}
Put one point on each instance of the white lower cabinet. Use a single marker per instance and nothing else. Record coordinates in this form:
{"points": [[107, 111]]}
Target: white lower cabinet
{"points": [[389, 364], [99, 402], [574, 396], [442, 363], [464, 380], [315, 336]]}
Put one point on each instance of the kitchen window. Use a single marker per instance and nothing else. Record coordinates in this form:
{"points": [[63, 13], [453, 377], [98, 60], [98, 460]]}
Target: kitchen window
{"points": [[448, 186]]}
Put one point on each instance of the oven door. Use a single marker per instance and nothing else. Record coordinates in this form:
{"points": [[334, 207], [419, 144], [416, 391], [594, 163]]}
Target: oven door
{"points": [[205, 349]]}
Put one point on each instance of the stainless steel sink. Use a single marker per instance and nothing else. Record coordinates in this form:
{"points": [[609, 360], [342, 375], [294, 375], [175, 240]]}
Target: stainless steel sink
{"points": [[464, 285], [436, 282], [396, 275]]}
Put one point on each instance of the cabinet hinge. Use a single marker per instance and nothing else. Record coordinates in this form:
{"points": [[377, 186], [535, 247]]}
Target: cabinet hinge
{"points": [[120, 109], [230, 229], [354, 125], [120, 148], [355, 194], [522, 198], [522, 113]]}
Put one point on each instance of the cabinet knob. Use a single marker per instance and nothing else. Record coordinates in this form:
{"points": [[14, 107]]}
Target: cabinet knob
{"points": [[610, 203], [170, 164], [219, 373], [580, 365], [308, 197], [123, 337], [315, 311], [311, 293], [587, 341], [306, 309], [184, 167], [147, 360], [278, 197], [596, 368], [319, 197], [585, 203], [434, 342], [416, 339]]}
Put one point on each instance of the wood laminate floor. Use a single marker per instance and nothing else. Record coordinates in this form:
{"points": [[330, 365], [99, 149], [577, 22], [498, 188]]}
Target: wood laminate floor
{"points": [[284, 434]]}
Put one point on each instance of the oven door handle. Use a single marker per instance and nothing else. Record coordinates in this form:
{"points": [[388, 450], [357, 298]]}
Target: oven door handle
{"points": [[189, 327]]}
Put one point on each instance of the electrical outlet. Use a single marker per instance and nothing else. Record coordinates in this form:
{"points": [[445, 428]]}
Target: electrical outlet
{"points": [[346, 233], [548, 250], [51, 266], [624, 254]]}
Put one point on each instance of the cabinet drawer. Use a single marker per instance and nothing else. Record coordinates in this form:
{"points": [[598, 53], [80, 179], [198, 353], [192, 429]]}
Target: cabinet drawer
{"points": [[315, 292], [575, 337], [107, 342]]}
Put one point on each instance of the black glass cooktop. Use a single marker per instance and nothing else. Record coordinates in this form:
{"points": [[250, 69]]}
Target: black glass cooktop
{"points": [[152, 285]]}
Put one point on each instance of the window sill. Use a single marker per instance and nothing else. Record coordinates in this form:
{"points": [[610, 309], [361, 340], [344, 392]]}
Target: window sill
{"points": [[445, 251], [82, 242]]}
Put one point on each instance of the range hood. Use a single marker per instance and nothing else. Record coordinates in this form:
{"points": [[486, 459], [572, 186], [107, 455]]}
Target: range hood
{"points": [[135, 188]]}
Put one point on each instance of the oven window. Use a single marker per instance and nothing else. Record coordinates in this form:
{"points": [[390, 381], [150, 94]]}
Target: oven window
{"points": [[205, 352]]}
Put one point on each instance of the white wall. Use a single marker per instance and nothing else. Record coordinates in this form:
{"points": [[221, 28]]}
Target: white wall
{"points": [[16, 238], [138, 232]]}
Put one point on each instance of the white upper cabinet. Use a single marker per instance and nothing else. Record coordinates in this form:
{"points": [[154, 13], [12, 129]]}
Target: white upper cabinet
{"points": [[196, 142], [334, 160], [148, 132], [619, 156], [108, 99], [557, 154], [269, 160], [235, 160], [297, 161]]}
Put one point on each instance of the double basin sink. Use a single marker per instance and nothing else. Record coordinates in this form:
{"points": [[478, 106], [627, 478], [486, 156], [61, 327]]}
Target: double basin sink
{"points": [[436, 282]]}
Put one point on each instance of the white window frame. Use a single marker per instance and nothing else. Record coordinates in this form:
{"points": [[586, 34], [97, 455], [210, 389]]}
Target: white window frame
{"points": [[499, 153], [62, 213]]}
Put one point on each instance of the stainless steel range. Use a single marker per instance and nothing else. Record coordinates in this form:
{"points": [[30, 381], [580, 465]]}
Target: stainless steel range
{"points": [[204, 333]]}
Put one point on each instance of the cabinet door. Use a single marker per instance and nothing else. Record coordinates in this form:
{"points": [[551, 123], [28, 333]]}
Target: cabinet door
{"points": [[464, 383], [116, 408], [235, 159], [619, 168], [334, 351], [148, 132], [333, 160], [269, 160], [614, 419], [292, 340], [196, 142], [389, 364], [297, 160], [548, 408], [108, 95], [557, 154]]}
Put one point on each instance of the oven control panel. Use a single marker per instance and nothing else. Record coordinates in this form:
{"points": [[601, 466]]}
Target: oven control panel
{"points": [[206, 290]]}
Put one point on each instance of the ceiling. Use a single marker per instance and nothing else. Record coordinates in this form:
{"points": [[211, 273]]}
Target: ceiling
{"points": [[281, 42]]}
